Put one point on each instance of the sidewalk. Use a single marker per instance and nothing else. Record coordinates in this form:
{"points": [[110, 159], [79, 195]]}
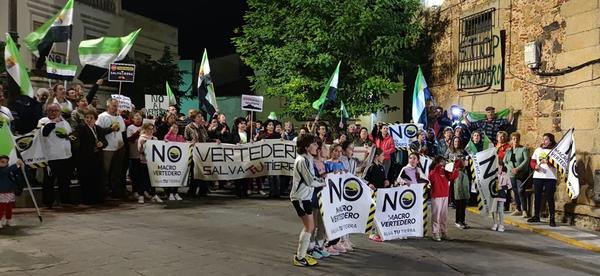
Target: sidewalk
{"points": [[568, 234]]}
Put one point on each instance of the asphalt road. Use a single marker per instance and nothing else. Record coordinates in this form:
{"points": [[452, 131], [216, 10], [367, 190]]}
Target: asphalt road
{"points": [[226, 236]]}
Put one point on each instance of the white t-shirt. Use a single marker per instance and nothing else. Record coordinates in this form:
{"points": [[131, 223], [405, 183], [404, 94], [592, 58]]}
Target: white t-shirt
{"points": [[546, 171], [243, 137], [56, 148], [5, 113], [115, 138]]}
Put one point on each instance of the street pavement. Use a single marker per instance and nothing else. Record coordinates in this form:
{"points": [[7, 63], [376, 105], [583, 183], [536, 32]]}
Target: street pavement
{"points": [[225, 236]]}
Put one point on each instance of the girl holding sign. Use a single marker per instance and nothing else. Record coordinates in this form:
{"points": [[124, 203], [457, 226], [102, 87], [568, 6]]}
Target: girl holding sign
{"points": [[304, 183], [440, 186], [411, 173], [318, 236]]}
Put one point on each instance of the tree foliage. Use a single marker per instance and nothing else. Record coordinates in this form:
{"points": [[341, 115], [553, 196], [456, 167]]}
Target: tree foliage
{"points": [[151, 75], [293, 47]]}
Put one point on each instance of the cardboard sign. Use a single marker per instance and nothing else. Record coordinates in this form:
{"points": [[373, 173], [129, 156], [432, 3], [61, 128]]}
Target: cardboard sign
{"points": [[345, 204], [121, 72], [124, 102], [404, 134], [399, 212], [485, 169], [156, 105], [168, 163], [252, 103]]}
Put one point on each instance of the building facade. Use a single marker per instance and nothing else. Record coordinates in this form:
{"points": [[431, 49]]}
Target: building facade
{"points": [[92, 19], [541, 57]]}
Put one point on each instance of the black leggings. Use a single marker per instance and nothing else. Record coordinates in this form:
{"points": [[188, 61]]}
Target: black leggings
{"points": [[461, 206], [547, 186]]}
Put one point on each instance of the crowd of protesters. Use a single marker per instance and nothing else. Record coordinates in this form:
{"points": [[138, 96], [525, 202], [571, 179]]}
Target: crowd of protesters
{"points": [[77, 140]]}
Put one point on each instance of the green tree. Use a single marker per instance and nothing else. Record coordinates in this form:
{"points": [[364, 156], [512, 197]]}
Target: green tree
{"points": [[293, 47], [151, 75]]}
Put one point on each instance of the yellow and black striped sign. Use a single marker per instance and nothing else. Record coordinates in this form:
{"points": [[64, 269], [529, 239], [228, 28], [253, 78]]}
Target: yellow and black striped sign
{"points": [[320, 202], [425, 211], [371, 218], [191, 158], [38, 165]]}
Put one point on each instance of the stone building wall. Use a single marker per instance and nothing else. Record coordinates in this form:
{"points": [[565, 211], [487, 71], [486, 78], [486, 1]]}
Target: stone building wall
{"points": [[568, 32]]}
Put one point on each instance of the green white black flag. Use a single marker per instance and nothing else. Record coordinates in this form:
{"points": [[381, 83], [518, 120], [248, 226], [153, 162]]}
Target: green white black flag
{"points": [[101, 52], [57, 29], [15, 67]]}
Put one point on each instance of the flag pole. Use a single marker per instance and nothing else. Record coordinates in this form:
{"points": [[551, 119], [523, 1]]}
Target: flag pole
{"points": [[67, 57], [251, 125], [120, 87], [37, 209]]}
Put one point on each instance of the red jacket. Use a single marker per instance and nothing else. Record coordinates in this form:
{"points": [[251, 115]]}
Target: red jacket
{"points": [[440, 180], [387, 145]]}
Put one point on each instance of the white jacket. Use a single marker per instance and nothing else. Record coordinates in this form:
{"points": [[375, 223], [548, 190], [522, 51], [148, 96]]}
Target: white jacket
{"points": [[304, 179]]}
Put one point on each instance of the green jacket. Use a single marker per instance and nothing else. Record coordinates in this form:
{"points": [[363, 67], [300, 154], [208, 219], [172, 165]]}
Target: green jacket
{"points": [[521, 156], [462, 188]]}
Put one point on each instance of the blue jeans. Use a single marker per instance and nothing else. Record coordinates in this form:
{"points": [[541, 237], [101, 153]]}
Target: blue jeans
{"points": [[521, 199], [547, 186]]}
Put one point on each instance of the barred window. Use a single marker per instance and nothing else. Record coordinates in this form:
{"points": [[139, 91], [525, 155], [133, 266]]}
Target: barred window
{"points": [[476, 51]]}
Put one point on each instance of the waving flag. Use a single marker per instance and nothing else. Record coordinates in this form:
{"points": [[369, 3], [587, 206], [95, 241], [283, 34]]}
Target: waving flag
{"points": [[343, 115], [101, 52], [328, 94], [7, 141], [60, 71], [420, 95], [15, 67], [564, 159], [57, 29], [170, 95], [206, 89]]}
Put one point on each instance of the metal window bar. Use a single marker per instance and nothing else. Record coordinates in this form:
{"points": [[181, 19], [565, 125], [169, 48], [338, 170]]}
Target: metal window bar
{"points": [[476, 53]]}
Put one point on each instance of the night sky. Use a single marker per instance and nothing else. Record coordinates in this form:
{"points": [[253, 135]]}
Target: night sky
{"points": [[201, 23]]}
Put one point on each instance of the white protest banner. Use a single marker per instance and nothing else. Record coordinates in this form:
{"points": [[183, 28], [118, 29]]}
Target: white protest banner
{"points": [[345, 203], [252, 103], [168, 162], [229, 162], [124, 102], [399, 212], [563, 158], [30, 147], [156, 105], [404, 134], [425, 163], [485, 170], [365, 156]]}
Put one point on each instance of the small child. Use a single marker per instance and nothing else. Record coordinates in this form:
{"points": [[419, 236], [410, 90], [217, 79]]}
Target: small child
{"points": [[440, 186], [335, 165], [173, 136], [145, 185], [376, 179], [8, 187], [502, 186], [411, 173], [317, 243], [461, 193]]}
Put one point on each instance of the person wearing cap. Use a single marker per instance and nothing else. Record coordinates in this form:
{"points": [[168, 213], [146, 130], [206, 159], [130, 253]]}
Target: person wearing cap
{"points": [[491, 125]]}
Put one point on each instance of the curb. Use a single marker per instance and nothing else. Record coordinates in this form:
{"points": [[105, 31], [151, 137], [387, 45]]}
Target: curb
{"points": [[550, 234]]}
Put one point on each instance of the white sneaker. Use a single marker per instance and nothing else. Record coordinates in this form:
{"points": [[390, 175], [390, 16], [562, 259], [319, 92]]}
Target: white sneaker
{"points": [[171, 197], [156, 199], [141, 199], [2, 221], [495, 227], [11, 223], [500, 228], [177, 197]]}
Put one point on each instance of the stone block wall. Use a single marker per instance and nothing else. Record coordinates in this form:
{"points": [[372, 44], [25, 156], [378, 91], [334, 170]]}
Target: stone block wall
{"points": [[569, 34]]}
